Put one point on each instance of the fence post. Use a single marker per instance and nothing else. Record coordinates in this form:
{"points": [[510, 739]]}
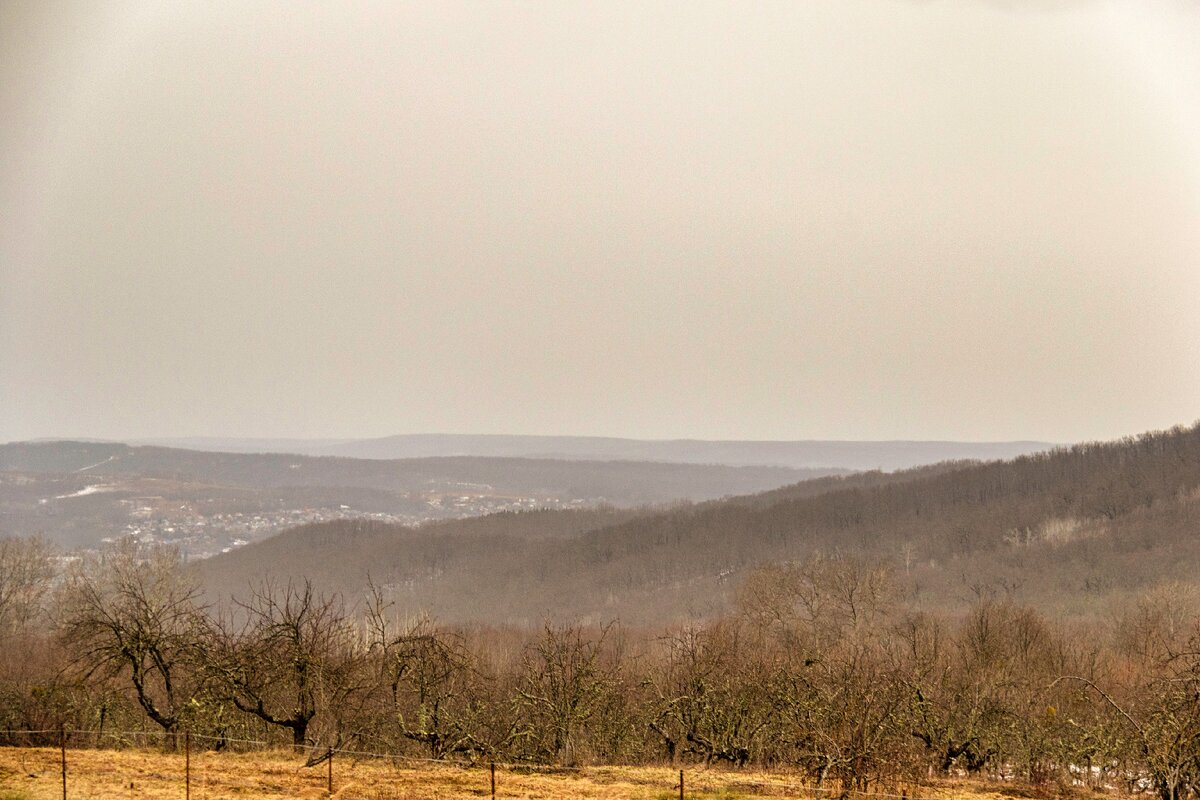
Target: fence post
{"points": [[187, 765], [62, 744], [493, 780], [680, 784], [63, 747], [331, 770]]}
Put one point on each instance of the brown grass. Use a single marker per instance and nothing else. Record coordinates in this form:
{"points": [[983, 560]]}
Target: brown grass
{"points": [[35, 774]]}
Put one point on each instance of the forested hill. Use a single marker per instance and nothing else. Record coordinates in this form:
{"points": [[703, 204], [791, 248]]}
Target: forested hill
{"points": [[1069, 530]]}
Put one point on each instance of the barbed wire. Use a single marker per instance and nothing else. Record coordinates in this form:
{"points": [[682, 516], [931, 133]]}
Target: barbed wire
{"points": [[266, 744]]}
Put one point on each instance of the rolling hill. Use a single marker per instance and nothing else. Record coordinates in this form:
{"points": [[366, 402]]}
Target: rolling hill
{"points": [[79, 493], [1069, 530]]}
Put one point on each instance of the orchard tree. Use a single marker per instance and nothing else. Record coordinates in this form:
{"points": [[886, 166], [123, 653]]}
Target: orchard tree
{"points": [[286, 655], [131, 613]]}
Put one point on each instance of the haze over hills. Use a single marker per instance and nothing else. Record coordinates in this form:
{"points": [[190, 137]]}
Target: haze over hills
{"points": [[221, 444], [852, 455], [1070, 530], [81, 493], [221, 493]]}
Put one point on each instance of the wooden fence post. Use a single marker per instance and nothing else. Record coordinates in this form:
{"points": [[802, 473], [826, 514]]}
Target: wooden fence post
{"points": [[62, 743], [680, 784], [493, 780], [187, 765], [331, 770]]}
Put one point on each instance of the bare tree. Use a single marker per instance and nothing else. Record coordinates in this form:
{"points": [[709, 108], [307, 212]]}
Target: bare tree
{"points": [[31, 696], [289, 657], [430, 680], [563, 683], [133, 613], [710, 695], [26, 570]]}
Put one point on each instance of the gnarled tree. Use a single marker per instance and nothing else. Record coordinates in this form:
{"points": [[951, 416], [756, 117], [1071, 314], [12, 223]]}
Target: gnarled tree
{"points": [[285, 656], [132, 613]]}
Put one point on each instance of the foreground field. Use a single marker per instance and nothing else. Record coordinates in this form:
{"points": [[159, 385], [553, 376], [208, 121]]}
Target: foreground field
{"points": [[35, 774]]}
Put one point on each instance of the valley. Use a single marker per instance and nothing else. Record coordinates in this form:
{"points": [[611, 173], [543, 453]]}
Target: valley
{"points": [[85, 494]]}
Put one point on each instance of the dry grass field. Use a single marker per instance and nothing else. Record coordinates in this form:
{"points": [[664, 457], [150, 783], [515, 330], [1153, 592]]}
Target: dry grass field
{"points": [[35, 774]]}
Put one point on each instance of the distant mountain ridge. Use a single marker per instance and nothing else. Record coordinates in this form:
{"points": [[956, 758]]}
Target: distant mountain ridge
{"points": [[801, 454], [634, 482]]}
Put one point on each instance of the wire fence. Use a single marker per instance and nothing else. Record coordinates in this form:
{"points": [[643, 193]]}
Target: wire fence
{"points": [[193, 769]]}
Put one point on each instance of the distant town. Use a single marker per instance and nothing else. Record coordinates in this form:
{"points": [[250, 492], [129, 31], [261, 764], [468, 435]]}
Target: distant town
{"points": [[197, 535]]}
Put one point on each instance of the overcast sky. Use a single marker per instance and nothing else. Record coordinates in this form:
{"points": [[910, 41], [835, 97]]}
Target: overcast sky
{"points": [[850, 219]]}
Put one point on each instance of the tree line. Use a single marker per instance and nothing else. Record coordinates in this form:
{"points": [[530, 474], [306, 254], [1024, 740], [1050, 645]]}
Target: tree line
{"points": [[822, 666]]}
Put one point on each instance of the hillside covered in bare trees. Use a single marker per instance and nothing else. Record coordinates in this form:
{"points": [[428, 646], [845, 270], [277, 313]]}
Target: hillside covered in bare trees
{"points": [[1070, 531]]}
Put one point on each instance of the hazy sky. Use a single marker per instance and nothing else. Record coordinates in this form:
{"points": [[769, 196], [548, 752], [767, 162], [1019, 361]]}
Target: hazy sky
{"points": [[851, 219]]}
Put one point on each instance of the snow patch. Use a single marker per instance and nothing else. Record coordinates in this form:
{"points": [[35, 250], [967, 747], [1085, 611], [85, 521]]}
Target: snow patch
{"points": [[85, 491]]}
